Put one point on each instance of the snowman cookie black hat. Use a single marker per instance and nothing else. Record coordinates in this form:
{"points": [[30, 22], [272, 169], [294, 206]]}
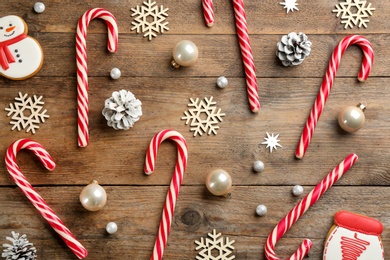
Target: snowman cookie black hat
{"points": [[21, 56], [354, 236]]}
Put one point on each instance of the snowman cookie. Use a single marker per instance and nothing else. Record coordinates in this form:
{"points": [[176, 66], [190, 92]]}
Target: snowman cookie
{"points": [[21, 56], [354, 237]]}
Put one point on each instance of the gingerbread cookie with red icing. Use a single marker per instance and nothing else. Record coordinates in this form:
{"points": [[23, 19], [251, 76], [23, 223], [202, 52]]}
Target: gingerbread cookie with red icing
{"points": [[354, 237], [21, 56]]}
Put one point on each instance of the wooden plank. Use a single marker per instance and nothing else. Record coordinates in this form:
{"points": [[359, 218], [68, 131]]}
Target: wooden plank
{"points": [[116, 157], [186, 17], [197, 213]]}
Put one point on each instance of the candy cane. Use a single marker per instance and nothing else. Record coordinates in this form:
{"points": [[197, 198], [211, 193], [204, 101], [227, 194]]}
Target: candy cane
{"points": [[245, 47], [208, 12], [300, 209], [327, 83], [173, 193], [81, 59], [34, 197], [247, 57]]}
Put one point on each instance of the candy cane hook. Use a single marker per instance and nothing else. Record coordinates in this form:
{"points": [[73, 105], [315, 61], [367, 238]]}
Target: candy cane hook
{"points": [[173, 192], [81, 61], [245, 47], [327, 83], [300, 209], [34, 197]]}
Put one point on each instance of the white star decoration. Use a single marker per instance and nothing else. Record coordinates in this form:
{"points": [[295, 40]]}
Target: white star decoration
{"points": [[290, 5], [272, 142]]}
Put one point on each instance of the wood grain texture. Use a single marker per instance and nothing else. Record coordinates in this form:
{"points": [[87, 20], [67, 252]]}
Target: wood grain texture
{"points": [[115, 158]]}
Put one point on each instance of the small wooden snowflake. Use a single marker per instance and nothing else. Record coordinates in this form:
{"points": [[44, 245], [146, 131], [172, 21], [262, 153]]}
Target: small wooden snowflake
{"points": [[150, 19], [203, 116], [26, 113], [215, 247]]}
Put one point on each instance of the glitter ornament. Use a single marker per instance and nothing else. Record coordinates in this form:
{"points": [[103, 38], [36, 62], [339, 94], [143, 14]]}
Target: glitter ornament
{"points": [[297, 190], [222, 82], [115, 73], [261, 210], [111, 228], [39, 7], [258, 166]]}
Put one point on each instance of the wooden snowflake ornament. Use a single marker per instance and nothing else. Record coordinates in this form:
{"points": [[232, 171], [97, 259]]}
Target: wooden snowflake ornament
{"points": [[204, 116], [215, 247], [354, 12], [26, 113], [150, 19]]}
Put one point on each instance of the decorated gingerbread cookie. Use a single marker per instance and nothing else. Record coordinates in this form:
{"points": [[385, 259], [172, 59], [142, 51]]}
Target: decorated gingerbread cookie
{"points": [[354, 237], [21, 56]]}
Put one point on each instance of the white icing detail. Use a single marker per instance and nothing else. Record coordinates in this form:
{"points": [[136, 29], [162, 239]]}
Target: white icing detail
{"points": [[29, 55], [14, 21], [332, 250]]}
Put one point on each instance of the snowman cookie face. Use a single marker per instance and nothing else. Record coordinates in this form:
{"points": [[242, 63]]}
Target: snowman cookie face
{"points": [[21, 56]]}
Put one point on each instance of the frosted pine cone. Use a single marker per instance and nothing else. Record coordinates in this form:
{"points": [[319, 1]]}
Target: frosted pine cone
{"points": [[21, 248], [122, 110], [293, 49]]}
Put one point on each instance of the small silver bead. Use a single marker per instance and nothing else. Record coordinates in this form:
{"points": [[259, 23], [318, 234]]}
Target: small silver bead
{"points": [[261, 210], [39, 7], [297, 190], [222, 82], [111, 228], [115, 73], [258, 166]]}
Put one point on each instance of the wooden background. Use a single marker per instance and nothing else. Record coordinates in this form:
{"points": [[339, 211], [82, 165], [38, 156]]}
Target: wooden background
{"points": [[115, 158]]}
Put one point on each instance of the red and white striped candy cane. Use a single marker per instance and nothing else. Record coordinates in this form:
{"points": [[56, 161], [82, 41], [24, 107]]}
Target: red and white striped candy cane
{"points": [[247, 57], [38, 202], [173, 193], [81, 59], [300, 209], [208, 12], [327, 83], [245, 47]]}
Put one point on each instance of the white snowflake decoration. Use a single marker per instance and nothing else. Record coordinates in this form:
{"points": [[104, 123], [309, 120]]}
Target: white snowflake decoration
{"points": [[290, 5], [204, 116], [143, 15], [26, 112], [354, 12], [272, 142], [215, 244]]}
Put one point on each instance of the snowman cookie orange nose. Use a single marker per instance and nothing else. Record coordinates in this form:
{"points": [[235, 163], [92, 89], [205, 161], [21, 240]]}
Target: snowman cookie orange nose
{"points": [[10, 29], [21, 56]]}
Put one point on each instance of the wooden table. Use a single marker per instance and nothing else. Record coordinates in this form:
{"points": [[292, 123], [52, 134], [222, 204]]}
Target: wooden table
{"points": [[115, 158]]}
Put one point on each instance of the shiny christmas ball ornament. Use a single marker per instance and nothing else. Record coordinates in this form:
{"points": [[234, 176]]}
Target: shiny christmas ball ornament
{"points": [[115, 73], [297, 190], [222, 82], [185, 53], [219, 183], [352, 118], [39, 7], [93, 197], [261, 210], [111, 228], [258, 166]]}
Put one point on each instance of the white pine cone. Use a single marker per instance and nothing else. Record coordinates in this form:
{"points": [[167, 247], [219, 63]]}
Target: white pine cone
{"points": [[293, 49], [21, 248], [122, 110]]}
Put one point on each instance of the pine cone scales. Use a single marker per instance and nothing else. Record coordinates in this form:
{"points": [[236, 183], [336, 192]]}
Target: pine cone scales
{"points": [[21, 248], [293, 49], [122, 110]]}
